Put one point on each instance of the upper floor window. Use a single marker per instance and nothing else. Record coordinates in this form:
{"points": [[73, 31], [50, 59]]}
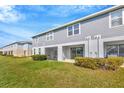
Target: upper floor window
{"points": [[116, 18], [50, 36], [70, 30], [74, 29], [35, 40]]}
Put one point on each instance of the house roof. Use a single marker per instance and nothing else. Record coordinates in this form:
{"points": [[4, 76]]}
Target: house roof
{"points": [[82, 19], [19, 42]]}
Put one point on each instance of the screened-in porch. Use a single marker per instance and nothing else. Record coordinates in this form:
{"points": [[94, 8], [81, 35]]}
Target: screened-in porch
{"points": [[70, 52], [114, 49], [51, 53]]}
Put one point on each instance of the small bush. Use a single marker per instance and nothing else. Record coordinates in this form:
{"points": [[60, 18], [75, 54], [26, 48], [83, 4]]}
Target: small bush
{"points": [[4, 54], [9, 55], [86, 62], [39, 57], [1, 52], [113, 63], [103, 63]]}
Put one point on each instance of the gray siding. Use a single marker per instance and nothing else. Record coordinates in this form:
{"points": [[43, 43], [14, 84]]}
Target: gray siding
{"points": [[91, 27]]}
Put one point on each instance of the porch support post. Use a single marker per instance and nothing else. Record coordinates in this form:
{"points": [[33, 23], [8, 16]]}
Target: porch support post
{"points": [[86, 49], [60, 53], [101, 48], [43, 50]]}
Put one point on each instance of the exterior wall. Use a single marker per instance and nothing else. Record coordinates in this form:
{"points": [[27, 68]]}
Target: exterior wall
{"points": [[94, 47], [95, 26], [27, 48], [18, 49], [7, 49]]}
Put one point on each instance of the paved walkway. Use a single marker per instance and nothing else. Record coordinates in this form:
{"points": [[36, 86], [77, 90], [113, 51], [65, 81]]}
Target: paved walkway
{"points": [[69, 60], [122, 65]]}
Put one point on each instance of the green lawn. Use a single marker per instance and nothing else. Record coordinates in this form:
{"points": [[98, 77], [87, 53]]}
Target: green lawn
{"points": [[23, 72]]}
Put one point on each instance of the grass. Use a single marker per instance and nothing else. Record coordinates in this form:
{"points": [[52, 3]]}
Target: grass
{"points": [[25, 73]]}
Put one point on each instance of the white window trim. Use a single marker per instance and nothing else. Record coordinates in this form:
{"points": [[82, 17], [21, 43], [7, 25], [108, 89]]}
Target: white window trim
{"points": [[79, 29], [73, 30], [68, 30], [48, 35], [52, 35], [110, 26], [123, 16]]}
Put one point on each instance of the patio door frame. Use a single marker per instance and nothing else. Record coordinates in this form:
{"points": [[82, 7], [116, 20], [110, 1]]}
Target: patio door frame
{"points": [[75, 49], [118, 49]]}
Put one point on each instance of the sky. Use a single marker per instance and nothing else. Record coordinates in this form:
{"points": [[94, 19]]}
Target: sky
{"points": [[19, 23]]}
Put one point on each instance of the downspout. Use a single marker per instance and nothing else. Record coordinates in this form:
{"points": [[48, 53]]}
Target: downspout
{"points": [[88, 47], [98, 46]]}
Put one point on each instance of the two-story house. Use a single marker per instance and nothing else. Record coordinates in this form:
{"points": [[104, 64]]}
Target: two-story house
{"points": [[97, 35], [19, 49]]}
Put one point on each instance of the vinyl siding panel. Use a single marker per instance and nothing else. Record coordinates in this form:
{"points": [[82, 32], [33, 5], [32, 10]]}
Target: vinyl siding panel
{"points": [[95, 26]]}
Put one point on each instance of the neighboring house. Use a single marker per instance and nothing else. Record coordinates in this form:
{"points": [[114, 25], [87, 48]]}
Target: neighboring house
{"points": [[0, 50], [97, 35], [19, 49]]}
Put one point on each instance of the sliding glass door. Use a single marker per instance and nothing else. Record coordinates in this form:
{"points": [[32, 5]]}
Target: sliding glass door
{"points": [[76, 51], [112, 50], [115, 50], [121, 50]]}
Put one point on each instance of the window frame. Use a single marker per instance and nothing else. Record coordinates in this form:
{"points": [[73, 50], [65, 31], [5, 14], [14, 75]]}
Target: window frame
{"points": [[48, 35], [73, 30], [68, 31], [110, 18], [78, 28]]}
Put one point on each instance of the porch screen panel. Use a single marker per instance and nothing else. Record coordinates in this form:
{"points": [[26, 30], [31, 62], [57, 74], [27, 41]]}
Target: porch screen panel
{"points": [[121, 50], [112, 50], [79, 51]]}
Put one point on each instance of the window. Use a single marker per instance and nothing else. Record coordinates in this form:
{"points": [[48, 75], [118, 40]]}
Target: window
{"points": [[40, 38], [35, 40], [39, 51], [115, 50], [50, 36], [70, 30], [112, 50], [76, 52], [74, 29], [116, 18], [121, 50]]}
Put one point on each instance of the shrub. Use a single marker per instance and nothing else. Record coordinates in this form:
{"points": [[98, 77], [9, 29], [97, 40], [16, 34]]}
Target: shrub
{"points": [[1, 52], [9, 55], [86, 62], [4, 54], [113, 63], [104, 63], [39, 57]]}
